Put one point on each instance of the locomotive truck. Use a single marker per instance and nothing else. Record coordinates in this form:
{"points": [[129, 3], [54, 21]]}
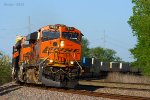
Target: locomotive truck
{"points": [[49, 56]]}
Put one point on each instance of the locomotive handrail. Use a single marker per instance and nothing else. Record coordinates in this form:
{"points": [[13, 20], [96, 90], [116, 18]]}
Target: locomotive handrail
{"points": [[77, 63], [44, 59], [41, 68]]}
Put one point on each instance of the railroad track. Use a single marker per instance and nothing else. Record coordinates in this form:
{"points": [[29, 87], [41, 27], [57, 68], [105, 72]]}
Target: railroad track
{"points": [[116, 85], [119, 82], [8, 88], [85, 90]]}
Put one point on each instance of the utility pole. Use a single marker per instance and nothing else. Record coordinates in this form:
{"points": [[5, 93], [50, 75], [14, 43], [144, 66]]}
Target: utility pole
{"points": [[29, 27], [104, 40], [104, 43]]}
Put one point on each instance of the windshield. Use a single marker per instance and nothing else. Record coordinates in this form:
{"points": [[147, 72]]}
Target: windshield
{"points": [[71, 36], [48, 35]]}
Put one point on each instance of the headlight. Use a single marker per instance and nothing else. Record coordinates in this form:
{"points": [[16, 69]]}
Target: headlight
{"points": [[71, 62], [51, 61], [62, 43]]}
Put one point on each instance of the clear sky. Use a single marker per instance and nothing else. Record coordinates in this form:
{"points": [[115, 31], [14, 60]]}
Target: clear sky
{"points": [[103, 22]]}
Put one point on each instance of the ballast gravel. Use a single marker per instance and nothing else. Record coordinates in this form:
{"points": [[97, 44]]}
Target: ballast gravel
{"points": [[29, 93]]}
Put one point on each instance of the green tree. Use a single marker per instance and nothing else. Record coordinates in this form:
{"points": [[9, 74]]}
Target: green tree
{"points": [[5, 68], [85, 47], [104, 54], [140, 24], [98, 52]]}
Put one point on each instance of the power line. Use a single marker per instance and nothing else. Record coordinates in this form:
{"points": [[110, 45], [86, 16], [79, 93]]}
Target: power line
{"points": [[34, 26], [118, 45], [16, 28], [114, 42], [118, 41]]}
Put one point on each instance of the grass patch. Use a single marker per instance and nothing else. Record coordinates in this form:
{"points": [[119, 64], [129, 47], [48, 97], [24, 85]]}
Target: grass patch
{"points": [[127, 78]]}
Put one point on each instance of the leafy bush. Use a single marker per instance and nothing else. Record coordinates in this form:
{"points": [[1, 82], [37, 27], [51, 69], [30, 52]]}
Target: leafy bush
{"points": [[5, 68]]}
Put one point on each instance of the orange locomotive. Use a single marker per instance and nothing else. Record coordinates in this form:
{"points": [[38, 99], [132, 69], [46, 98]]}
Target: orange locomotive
{"points": [[49, 56]]}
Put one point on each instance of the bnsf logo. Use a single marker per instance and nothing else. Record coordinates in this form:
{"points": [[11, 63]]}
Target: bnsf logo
{"points": [[61, 49]]}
